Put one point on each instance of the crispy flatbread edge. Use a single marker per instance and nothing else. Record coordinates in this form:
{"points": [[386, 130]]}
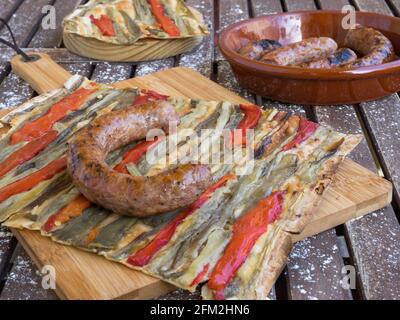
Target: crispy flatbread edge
{"points": [[327, 175]]}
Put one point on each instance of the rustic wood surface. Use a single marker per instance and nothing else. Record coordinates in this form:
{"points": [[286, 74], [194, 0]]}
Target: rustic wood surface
{"points": [[369, 244]]}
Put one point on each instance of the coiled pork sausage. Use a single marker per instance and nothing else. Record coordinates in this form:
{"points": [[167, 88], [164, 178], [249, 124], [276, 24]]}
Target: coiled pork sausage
{"points": [[123, 193], [255, 49], [301, 52], [340, 58], [370, 43]]}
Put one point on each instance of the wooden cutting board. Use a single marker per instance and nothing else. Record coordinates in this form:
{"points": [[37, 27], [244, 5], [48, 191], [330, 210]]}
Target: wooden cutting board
{"points": [[355, 192]]}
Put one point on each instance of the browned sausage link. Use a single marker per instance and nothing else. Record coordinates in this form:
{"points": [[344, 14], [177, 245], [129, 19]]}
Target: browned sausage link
{"points": [[300, 52], [340, 58], [370, 43], [122, 193], [255, 49]]}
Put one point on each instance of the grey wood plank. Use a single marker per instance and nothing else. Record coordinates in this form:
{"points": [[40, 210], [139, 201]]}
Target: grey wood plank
{"points": [[45, 38], [107, 72], [373, 239], [299, 5], [14, 91], [6, 248], [57, 54], [25, 20], [24, 281], [227, 79], [146, 68], [201, 58], [333, 4], [7, 8], [314, 269], [395, 6], [262, 7], [377, 6], [229, 13]]}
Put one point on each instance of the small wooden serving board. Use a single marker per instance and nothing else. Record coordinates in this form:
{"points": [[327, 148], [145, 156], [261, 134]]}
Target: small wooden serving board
{"points": [[355, 192]]}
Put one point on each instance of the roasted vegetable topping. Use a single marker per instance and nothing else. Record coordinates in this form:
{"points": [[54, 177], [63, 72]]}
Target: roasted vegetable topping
{"points": [[34, 179], [306, 129], [144, 255], [200, 276], [252, 115], [134, 155], [148, 95], [246, 232], [41, 126], [72, 210], [166, 22], [105, 25], [27, 152]]}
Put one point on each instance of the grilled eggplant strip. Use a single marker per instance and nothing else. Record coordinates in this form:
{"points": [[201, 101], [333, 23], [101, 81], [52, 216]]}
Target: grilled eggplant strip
{"points": [[75, 232], [19, 201], [111, 235]]}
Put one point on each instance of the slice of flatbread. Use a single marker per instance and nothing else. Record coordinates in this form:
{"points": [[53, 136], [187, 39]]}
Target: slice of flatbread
{"points": [[236, 242]]}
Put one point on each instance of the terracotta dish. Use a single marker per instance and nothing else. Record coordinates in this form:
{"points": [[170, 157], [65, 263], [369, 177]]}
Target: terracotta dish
{"points": [[311, 86]]}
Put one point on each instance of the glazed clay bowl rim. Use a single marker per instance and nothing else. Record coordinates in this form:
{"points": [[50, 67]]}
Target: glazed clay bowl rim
{"points": [[301, 73]]}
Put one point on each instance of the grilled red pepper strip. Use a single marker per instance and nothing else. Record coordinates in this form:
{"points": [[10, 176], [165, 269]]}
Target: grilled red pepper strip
{"points": [[306, 129], [27, 152], [246, 231], [166, 22], [58, 111], [144, 255], [72, 210], [105, 25], [135, 154], [252, 115], [200, 276], [34, 179], [148, 95]]}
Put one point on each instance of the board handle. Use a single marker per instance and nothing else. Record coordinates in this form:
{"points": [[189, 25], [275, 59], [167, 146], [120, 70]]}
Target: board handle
{"points": [[42, 72]]}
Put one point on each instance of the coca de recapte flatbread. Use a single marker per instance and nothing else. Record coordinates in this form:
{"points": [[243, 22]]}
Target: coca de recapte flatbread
{"points": [[234, 239], [124, 22]]}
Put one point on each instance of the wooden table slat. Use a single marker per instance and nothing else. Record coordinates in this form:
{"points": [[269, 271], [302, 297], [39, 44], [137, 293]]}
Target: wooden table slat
{"points": [[262, 7], [146, 68], [7, 8], [377, 6], [230, 12], [107, 72], [373, 239], [25, 21], [201, 59], [45, 38], [24, 281], [299, 5], [314, 269]]}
